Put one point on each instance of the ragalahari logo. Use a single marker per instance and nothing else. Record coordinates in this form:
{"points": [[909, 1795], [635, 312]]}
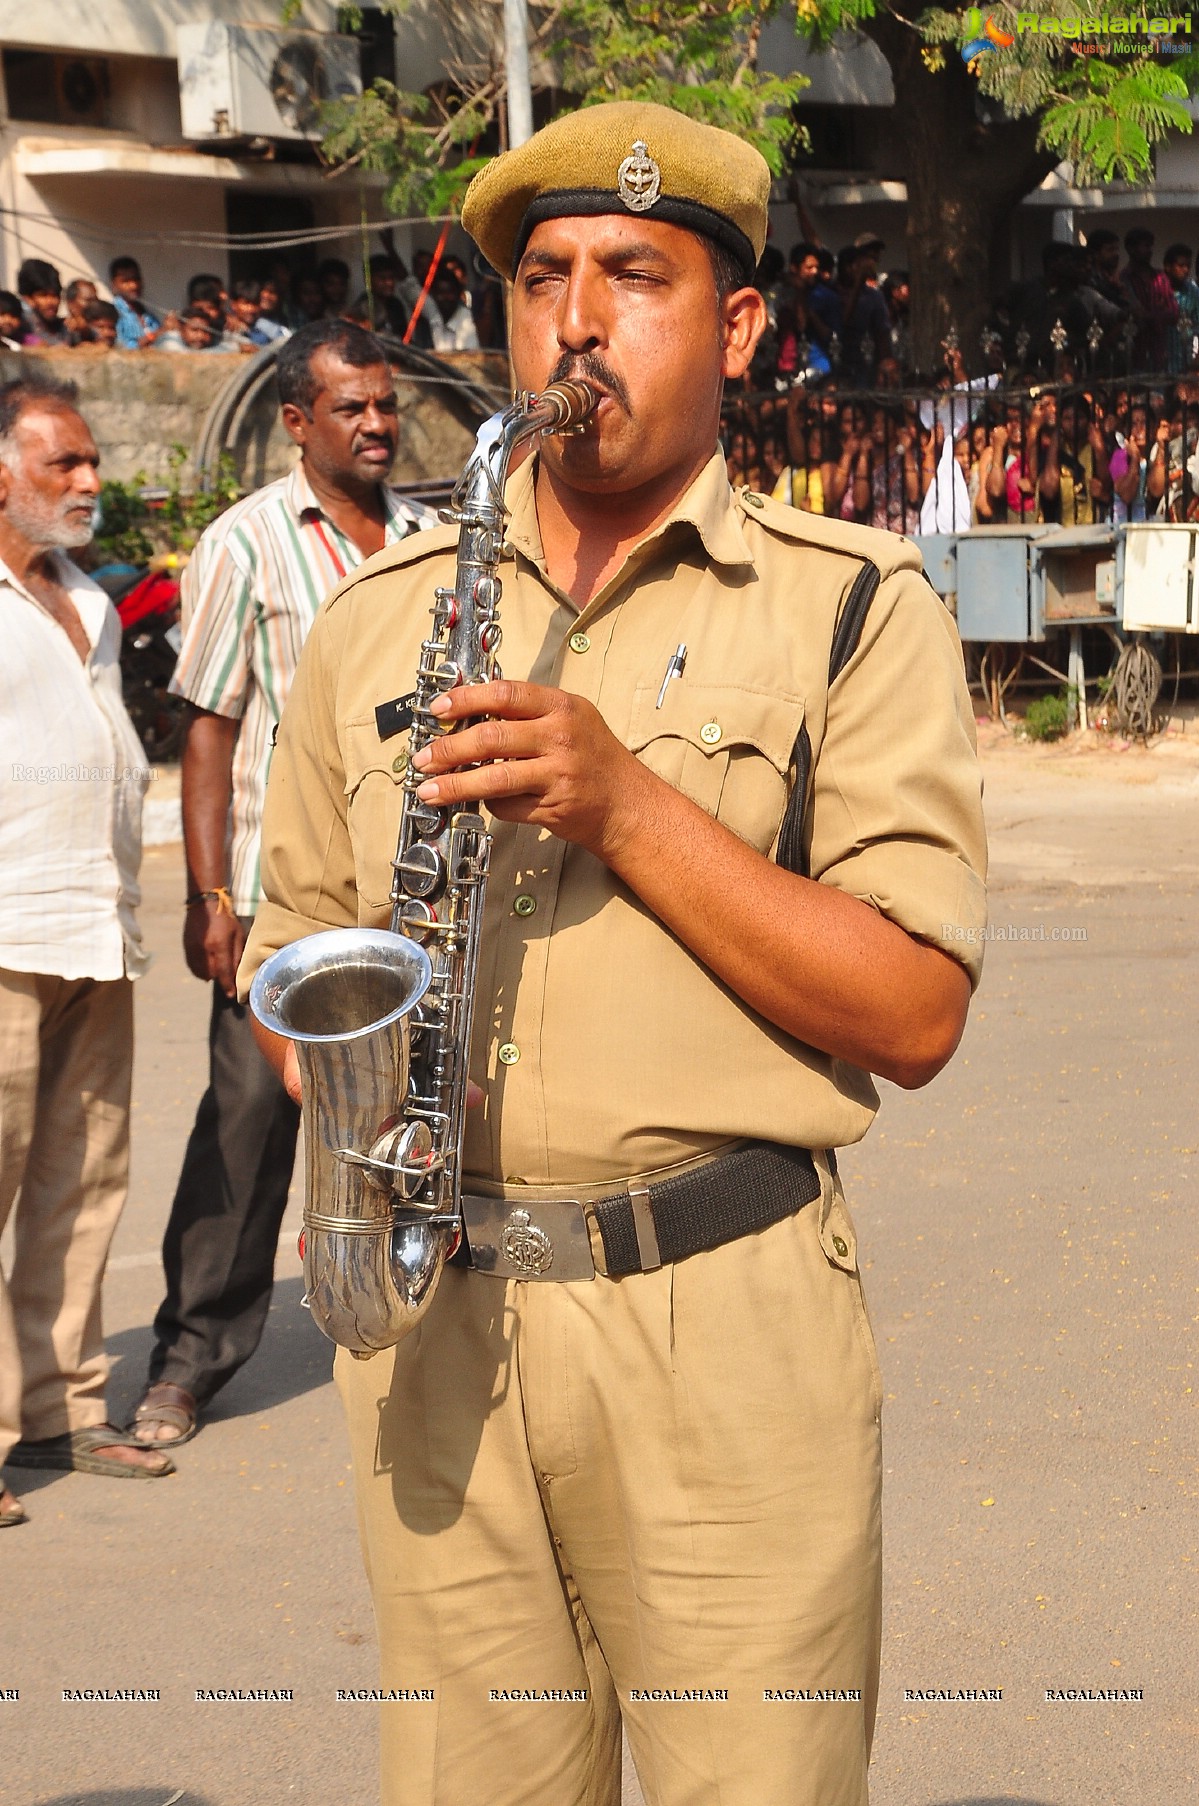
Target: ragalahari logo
{"points": [[980, 37]]}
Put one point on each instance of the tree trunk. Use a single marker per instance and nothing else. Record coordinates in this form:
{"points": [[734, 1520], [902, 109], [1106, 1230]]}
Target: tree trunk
{"points": [[965, 177]]}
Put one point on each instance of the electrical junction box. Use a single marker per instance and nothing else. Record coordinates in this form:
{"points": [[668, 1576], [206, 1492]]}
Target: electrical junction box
{"points": [[1158, 577], [246, 81]]}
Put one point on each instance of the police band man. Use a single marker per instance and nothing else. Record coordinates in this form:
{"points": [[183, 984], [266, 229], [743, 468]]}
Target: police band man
{"points": [[716, 907]]}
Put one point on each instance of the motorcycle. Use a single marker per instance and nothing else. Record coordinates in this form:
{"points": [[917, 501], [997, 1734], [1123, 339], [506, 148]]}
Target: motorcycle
{"points": [[146, 598]]}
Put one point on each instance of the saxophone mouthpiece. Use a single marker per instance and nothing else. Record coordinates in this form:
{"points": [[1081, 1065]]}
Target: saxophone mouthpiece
{"points": [[574, 400]]}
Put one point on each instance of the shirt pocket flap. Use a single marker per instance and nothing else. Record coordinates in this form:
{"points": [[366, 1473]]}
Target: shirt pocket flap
{"points": [[725, 746], [714, 718], [365, 754]]}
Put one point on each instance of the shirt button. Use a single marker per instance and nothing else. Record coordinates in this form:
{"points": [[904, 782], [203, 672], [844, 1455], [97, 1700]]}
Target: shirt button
{"points": [[509, 1053], [525, 906], [710, 732], [578, 642], [400, 762]]}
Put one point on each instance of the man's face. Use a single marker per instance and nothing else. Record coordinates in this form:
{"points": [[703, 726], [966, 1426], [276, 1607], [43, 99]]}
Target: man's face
{"points": [[806, 272], [211, 311], [45, 304], [197, 335], [384, 283], [631, 305], [1014, 421], [447, 295], [85, 294], [1140, 249], [1178, 269], [309, 299], [1107, 259], [245, 310], [11, 326], [268, 298], [334, 288], [352, 434], [104, 332], [128, 284], [48, 484], [865, 264]]}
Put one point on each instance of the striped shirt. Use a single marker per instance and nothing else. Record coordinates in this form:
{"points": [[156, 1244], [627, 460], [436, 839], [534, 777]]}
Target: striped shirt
{"points": [[249, 596]]}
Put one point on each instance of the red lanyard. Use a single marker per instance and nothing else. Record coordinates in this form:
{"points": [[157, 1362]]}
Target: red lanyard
{"points": [[318, 527]]}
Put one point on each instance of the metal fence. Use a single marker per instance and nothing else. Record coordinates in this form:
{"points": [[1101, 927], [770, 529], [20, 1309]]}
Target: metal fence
{"points": [[947, 459]]}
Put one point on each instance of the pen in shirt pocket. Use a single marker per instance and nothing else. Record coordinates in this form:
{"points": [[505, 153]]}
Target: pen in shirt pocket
{"points": [[674, 668]]}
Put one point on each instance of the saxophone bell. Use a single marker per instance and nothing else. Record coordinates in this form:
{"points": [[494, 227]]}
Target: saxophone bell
{"points": [[348, 999]]}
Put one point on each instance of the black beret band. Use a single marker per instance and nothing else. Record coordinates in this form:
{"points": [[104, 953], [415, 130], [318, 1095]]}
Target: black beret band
{"points": [[562, 203]]}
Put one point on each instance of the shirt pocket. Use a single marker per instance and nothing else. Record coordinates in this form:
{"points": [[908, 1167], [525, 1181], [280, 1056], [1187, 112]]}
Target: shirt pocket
{"points": [[375, 771], [726, 746]]}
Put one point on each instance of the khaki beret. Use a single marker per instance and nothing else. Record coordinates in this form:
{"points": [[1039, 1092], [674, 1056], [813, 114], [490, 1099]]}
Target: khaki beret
{"points": [[625, 156]]}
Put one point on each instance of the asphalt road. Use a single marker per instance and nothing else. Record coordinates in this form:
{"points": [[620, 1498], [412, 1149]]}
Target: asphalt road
{"points": [[1027, 1222]]}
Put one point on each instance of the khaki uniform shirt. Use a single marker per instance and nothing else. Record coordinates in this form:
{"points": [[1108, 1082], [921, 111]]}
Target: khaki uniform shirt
{"points": [[630, 1055]]}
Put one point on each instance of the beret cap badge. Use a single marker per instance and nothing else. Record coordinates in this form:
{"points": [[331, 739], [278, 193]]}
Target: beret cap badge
{"points": [[639, 180]]}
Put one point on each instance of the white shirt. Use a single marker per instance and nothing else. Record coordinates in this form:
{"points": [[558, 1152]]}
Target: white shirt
{"points": [[72, 779], [455, 334]]}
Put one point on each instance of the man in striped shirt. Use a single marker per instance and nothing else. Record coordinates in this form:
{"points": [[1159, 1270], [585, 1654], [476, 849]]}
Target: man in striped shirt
{"points": [[250, 594]]}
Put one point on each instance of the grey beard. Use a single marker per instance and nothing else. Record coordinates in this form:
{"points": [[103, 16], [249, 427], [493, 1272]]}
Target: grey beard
{"points": [[47, 523]]}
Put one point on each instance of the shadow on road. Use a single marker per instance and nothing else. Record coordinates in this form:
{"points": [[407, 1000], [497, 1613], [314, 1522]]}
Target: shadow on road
{"points": [[140, 1796], [292, 1358]]}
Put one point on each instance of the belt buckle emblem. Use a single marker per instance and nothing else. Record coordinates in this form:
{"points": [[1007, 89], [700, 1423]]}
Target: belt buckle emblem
{"points": [[525, 1246], [639, 180]]}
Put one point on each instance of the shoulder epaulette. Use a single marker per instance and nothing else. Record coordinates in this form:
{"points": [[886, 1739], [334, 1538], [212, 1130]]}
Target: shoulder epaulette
{"points": [[888, 552]]}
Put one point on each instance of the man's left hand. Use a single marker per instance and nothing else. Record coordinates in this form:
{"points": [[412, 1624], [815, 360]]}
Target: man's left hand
{"points": [[544, 757]]}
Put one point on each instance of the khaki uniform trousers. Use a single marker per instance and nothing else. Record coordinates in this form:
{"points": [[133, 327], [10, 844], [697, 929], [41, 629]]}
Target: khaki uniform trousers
{"points": [[669, 1481], [66, 1064]]}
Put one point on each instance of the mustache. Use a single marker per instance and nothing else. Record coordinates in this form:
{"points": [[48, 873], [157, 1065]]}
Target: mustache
{"points": [[574, 364]]}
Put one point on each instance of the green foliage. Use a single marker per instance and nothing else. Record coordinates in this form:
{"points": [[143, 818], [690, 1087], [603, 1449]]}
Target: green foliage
{"points": [[123, 538], [132, 530], [1050, 717], [699, 56], [1102, 114], [185, 515]]}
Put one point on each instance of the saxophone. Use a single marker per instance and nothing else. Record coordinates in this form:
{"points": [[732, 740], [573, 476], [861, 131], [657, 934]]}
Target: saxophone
{"points": [[381, 1018]]}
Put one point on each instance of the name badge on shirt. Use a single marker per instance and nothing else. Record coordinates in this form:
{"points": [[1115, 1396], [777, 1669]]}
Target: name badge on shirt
{"points": [[393, 717]]}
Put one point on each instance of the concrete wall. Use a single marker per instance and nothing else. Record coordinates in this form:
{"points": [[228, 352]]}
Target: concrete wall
{"points": [[140, 403], [139, 27]]}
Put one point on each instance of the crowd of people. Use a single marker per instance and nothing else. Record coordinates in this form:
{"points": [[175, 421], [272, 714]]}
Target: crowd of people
{"points": [[974, 453], [1089, 313], [434, 306]]}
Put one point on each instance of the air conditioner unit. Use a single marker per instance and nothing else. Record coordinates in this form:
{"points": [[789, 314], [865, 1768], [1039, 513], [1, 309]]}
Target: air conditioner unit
{"points": [[238, 81], [81, 90]]}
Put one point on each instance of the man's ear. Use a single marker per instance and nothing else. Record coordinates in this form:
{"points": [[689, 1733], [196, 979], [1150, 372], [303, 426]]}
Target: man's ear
{"points": [[295, 421], [743, 321]]}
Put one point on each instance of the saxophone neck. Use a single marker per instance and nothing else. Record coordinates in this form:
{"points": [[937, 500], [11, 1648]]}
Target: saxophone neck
{"points": [[563, 407]]}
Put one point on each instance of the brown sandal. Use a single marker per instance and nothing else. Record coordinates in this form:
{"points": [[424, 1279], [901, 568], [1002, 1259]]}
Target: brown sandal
{"points": [[11, 1509], [169, 1405]]}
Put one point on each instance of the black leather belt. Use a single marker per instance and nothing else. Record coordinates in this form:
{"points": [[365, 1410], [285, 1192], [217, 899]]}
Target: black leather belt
{"points": [[643, 1226]]}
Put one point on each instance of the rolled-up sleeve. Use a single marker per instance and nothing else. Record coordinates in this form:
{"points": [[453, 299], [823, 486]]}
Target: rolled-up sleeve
{"points": [[307, 861], [897, 792]]}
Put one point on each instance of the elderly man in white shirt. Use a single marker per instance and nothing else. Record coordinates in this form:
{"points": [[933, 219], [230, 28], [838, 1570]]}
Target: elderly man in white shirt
{"points": [[70, 846]]}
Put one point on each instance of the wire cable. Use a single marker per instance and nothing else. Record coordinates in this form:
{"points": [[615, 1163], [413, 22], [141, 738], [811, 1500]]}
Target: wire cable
{"points": [[1136, 685]]}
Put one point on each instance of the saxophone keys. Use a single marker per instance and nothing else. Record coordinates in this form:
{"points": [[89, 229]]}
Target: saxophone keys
{"points": [[422, 870]]}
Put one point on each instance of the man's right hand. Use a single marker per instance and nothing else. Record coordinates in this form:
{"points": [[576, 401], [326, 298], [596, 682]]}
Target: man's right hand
{"points": [[212, 944]]}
